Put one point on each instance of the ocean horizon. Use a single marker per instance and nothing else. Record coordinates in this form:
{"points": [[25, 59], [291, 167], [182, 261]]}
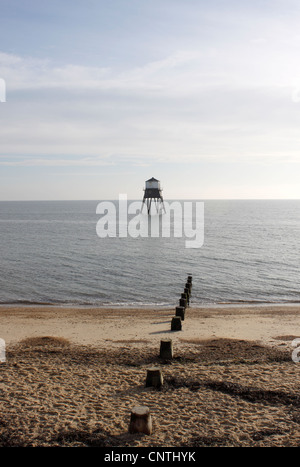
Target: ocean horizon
{"points": [[51, 254]]}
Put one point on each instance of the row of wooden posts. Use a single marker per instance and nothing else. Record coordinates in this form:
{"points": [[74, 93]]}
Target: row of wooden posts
{"points": [[184, 302], [140, 420]]}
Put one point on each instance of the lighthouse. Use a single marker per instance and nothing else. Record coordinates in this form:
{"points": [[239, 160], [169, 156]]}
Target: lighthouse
{"points": [[153, 191]]}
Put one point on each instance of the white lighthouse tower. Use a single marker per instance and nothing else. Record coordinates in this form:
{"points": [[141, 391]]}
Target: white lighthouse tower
{"points": [[153, 191]]}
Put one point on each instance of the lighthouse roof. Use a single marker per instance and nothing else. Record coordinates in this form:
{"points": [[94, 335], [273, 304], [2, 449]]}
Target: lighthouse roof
{"points": [[152, 180]]}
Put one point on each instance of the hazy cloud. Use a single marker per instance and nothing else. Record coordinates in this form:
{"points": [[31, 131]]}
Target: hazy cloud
{"points": [[166, 84]]}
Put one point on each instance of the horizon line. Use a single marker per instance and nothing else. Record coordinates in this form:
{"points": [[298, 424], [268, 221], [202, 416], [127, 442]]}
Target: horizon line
{"points": [[138, 199]]}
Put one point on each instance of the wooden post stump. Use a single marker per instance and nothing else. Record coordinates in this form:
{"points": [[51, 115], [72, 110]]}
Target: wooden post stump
{"points": [[180, 311], [182, 302], [187, 292], [154, 377], [166, 349], [189, 279], [185, 296], [189, 286], [176, 323], [140, 420]]}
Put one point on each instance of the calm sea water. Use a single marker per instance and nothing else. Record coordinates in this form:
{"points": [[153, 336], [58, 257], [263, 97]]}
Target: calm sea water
{"points": [[50, 253]]}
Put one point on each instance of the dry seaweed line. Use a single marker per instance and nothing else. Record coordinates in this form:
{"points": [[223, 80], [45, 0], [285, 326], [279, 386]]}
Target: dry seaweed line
{"points": [[234, 389]]}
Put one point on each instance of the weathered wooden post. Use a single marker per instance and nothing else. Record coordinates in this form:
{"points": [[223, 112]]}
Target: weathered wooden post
{"points": [[154, 377], [185, 296], [182, 302], [140, 420], [189, 279], [188, 285], [187, 292], [166, 349], [176, 323], [180, 311]]}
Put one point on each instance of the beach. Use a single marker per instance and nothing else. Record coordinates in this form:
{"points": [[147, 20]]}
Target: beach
{"points": [[72, 375]]}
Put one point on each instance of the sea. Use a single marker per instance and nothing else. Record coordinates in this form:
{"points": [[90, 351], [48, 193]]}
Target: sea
{"points": [[51, 253]]}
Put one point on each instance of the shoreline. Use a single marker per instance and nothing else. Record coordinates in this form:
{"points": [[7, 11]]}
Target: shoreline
{"points": [[96, 326], [241, 303]]}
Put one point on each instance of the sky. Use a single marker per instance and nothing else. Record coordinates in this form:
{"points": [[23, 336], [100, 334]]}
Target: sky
{"points": [[103, 95]]}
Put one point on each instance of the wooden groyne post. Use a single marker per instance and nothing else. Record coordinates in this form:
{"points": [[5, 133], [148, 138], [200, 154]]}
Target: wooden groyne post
{"points": [[180, 311], [166, 349], [187, 292], [176, 323], [154, 377], [140, 420]]}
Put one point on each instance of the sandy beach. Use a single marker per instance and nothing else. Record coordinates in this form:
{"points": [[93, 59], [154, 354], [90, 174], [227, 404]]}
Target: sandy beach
{"points": [[73, 375]]}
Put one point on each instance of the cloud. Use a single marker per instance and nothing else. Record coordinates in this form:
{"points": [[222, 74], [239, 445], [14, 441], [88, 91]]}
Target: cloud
{"points": [[249, 64], [55, 162], [188, 105], [75, 161], [26, 73]]}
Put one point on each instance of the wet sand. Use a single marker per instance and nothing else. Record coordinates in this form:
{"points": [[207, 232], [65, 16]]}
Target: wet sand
{"points": [[72, 376]]}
